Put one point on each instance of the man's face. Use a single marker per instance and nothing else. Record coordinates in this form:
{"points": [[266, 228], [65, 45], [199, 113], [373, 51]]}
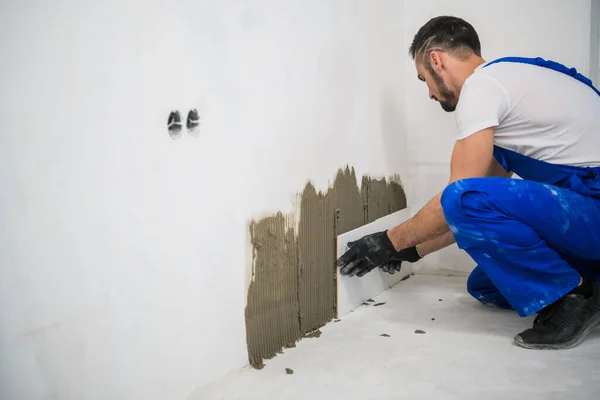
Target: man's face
{"points": [[438, 88]]}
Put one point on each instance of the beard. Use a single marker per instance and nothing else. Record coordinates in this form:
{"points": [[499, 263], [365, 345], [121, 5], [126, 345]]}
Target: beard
{"points": [[447, 98]]}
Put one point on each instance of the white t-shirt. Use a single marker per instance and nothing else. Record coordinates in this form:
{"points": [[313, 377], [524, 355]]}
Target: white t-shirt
{"points": [[536, 112]]}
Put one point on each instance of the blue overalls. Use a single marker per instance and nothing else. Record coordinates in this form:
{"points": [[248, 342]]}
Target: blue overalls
{"points": [[533, 239]]}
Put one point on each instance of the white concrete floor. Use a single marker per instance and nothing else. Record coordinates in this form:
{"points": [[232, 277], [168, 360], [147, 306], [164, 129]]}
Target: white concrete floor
{"points": [[466, 353]]}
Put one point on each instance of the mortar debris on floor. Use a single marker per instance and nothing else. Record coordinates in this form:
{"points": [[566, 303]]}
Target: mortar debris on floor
{"points": [[467, 353]]}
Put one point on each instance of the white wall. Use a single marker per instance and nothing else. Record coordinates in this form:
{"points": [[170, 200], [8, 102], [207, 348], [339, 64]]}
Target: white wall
{"points": [[595, 43], [557, 30], [121, 250]]}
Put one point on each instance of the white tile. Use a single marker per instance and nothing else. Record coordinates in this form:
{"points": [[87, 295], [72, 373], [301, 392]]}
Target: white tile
{"points": [[353, 291]]}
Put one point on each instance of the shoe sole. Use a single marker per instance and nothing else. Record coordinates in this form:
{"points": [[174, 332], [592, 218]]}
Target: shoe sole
{"points": [[575, 341]]}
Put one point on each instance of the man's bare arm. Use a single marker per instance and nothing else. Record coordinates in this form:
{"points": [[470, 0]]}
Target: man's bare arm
{"points": [[498, 170], [472, 157], [435, 244]]}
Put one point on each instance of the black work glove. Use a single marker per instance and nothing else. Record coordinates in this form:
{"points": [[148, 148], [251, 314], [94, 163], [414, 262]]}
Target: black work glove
{"points": [[372, 251], [410, 255], [366, 253]]}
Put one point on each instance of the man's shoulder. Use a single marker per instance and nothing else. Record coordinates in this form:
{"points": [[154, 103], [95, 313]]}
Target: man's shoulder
{"points": [[513, 75], [482, 83], [505, 72], [496, 79]]}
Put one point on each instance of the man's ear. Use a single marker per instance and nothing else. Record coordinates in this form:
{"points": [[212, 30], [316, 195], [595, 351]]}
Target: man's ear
{"points": [[435, 58]]}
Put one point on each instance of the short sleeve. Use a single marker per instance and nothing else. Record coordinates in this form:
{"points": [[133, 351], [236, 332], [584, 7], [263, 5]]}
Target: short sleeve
{"points": [[483, 104]]}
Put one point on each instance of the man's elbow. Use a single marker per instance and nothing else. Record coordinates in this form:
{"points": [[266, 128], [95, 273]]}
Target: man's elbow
{"points": [[500, 174], [497, 170]]}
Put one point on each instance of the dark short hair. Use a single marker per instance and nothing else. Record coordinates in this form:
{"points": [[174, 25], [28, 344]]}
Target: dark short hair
{"points": [[451, 34]]}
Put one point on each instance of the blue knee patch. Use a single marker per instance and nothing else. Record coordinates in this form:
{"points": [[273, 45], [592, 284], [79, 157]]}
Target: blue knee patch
{"points": [[451, 202], [453, 197], [465, 198]]}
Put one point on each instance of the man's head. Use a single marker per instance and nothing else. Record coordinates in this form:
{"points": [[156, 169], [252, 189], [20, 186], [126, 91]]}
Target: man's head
{"points": [[446, 51]]}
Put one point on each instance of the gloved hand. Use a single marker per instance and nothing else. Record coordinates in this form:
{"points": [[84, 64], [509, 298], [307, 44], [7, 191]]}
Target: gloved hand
{"points": [[392, 267], [367, 253], [410, 255], [372, 251]]}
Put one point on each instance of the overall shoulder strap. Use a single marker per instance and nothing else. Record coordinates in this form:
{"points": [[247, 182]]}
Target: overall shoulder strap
{"points": [[553, 65]]}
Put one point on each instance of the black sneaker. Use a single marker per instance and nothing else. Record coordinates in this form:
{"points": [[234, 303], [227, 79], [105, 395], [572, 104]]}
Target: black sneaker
{"points": [[564, 324]]}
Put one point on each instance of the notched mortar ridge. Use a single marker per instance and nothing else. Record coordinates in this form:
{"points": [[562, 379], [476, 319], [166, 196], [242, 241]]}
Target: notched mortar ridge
{"points": [[293, 290]]}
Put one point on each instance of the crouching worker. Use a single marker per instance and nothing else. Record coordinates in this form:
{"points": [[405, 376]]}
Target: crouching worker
{"points": [[536, 240]]}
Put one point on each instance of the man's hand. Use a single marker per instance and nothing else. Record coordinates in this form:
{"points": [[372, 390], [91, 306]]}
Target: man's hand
{"points": [[392, 267], [372, 251], [365, 254], [410, 255]]}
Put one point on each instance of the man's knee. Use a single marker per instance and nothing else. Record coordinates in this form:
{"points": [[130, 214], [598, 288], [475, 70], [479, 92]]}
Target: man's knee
{"points": [[452, 197], [481, 288], [466, 194], [477, 282]]}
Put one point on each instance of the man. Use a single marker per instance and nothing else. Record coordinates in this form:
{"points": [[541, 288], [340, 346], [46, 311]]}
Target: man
{"points": [[536, 240]]}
